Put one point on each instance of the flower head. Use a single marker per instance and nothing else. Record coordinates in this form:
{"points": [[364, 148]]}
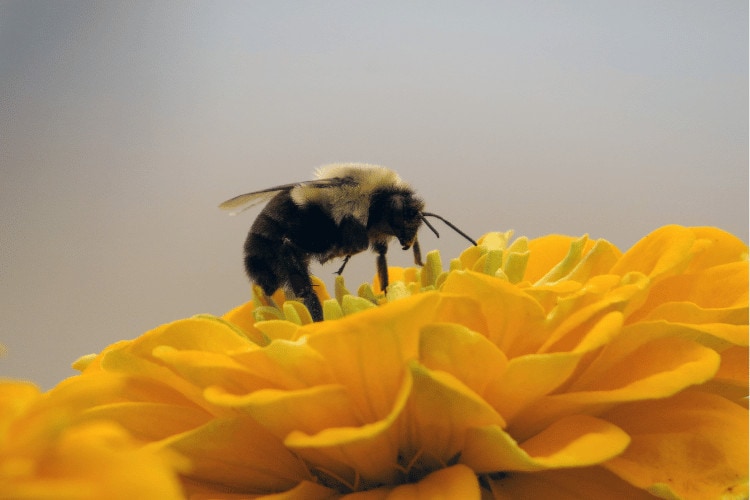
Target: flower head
{"points": [[549, 367]]}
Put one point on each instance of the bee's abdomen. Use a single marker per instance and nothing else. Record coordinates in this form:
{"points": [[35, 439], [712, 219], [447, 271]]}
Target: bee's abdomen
{"points": [[283, 227]]}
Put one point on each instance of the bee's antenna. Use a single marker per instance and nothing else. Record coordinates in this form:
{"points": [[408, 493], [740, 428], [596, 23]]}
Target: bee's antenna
{"points": [[427, 223], [448, 223]]}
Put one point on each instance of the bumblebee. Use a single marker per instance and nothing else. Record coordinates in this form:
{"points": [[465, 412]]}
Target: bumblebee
{"points": [[346, 209]]}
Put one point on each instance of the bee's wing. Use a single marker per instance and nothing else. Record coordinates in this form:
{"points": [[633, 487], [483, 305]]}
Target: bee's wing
{"points": [[248, 200]]}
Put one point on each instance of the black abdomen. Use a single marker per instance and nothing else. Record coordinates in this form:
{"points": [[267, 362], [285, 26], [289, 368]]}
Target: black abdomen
{"points": [[282, 240]]}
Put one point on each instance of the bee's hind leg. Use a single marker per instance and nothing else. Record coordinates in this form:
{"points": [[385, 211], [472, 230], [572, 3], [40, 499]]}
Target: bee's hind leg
{"points": [[303, 289], [299, 280]]}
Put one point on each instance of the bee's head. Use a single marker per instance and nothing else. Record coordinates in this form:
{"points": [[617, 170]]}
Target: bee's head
{"points": [[401, 214], [406, 218], [397, 214]]}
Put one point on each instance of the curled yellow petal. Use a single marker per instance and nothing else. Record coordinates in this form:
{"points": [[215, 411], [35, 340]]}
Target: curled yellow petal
{"points": [[439, 393], [238, 453], [457, 350], [574, 441], [515, 321], [656, 369], [308, 410]]}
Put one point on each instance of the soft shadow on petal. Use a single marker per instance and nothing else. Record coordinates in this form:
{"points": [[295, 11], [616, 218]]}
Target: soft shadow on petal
{"points": [[356, 457], [457, 482], [305, 490], [103, 455], [237, 453], [568, 484], [459, 409], [731, 381], [693, 445]]}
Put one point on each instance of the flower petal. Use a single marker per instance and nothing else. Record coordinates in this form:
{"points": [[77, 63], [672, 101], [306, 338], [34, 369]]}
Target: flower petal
{"points": [[565, 484], [238, 453], [457, 350], [243, 318], [284, 364], [547, 252], [365, 453], [722, 248], [664, 252], [694, 445], [207, 368], [655, 369], [149, 421], [721, 287], [457, 481], [574, 441], [658, 366], [528, 378], [351, 343], [308, 410], [515, 321], [439, 393]]}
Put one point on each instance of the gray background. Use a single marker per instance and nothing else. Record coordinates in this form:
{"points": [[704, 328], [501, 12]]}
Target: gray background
{"points": [[124, 124]]}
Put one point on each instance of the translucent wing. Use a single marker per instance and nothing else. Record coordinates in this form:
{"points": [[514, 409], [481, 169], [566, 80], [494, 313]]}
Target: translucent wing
{"points": [[248, 200]]}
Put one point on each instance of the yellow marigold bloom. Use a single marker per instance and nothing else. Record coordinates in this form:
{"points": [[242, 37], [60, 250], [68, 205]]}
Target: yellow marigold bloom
{"points": [[551, 368], [47, 451]]}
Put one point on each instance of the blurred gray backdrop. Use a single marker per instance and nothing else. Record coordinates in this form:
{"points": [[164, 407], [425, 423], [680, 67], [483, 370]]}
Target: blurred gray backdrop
{"points": [[124, 124]]}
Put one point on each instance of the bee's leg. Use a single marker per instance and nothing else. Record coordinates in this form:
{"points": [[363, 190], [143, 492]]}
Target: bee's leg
{"points": [[417, 253], [262, 267], [313, 305], [343, 265], [299, 279], [382, 265]]}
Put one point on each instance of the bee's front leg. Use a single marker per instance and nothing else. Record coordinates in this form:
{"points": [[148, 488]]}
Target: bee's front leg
{"points": [[343, 265], [417, 253]]}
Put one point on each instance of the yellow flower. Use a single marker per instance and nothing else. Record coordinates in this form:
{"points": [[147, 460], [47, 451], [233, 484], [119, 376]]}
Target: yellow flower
{"points": [[46, 451], [552, 368]]}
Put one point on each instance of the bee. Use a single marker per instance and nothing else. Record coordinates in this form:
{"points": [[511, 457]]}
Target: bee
{"points": [[346, 209]]}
